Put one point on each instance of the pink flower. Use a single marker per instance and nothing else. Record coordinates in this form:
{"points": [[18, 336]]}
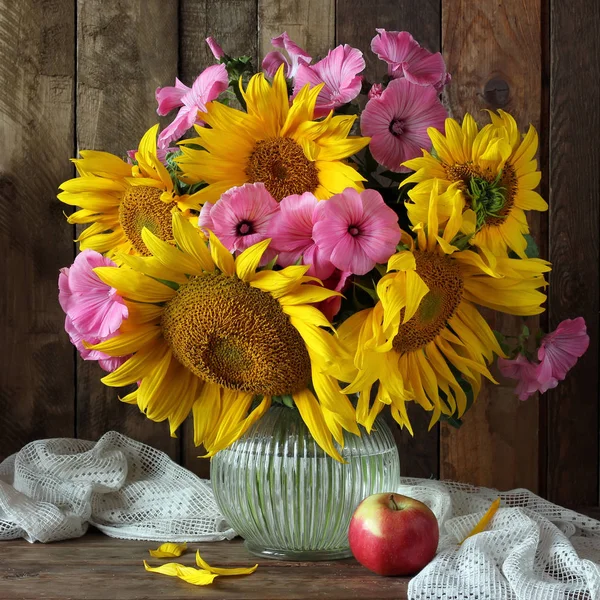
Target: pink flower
{"points": [[338, 282], [375, 91], [273, 60], [558, 353], [530, 378], [205, 220], [207, 87], [106, 362], [241, 217], [406, 58], [560, 349], [339, 72], [357, 230], [397, 122], [95, 308], [292, 234], [216, 50]]}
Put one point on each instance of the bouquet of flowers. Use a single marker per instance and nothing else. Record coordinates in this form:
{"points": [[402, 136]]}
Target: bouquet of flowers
{"points": [[299, 235]]}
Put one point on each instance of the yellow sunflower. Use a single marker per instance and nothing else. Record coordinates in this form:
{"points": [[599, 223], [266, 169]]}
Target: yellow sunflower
{"points": [[425, 329], [496, 172], [211, 335], [120, 199], [273, 143]]}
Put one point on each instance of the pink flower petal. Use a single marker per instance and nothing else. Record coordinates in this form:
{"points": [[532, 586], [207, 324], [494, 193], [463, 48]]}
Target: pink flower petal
{"points": [[170, 97], [185, 119], [297, 55], [216, 50], [339, 72], [562, 347], [406, 58], [291, 228], [272, 61], [207, 87], [93, 308], [205, 221], [320, 265]]}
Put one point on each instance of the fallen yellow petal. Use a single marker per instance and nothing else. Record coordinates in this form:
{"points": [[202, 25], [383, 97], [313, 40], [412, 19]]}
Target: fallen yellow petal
{"points": [[484, 521], [196, 576], [188, 574], [221, 571], [171, 569], [168, 550]]}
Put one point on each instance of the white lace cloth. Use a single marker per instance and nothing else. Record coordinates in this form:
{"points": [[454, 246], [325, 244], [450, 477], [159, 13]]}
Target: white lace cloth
{"points": [[52, 489], [532, 549]]}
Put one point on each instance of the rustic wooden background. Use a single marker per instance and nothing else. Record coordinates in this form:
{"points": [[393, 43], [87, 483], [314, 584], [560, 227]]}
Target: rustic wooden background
{"points": [[80, 74]]}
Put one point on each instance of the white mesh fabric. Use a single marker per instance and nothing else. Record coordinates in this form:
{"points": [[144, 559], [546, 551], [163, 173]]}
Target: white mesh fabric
{"points": [[52, 489], [532, 549]]}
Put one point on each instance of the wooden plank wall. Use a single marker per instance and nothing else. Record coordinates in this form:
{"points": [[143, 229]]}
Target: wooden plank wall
{"points": [[77, 74]]}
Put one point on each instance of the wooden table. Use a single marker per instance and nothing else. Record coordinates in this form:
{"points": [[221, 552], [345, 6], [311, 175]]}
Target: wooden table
{"points": [[96, 567]]}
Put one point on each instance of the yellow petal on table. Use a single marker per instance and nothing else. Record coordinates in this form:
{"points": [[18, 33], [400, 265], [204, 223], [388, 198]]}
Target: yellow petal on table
{"points": [[222, 571], [188, 574], [483, 523], [168, 550]]}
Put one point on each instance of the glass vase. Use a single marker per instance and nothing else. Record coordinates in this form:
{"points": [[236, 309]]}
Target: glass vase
{"points": [[287, 498]]}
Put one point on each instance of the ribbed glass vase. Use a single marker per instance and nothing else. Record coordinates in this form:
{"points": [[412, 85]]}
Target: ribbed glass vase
{"points": [[287, 498]]}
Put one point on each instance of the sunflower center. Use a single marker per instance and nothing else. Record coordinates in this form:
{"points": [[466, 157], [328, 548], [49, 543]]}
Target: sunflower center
{"points": [[142, 207], [491, 195], [229, 333], [442, 276], [281, 165]]}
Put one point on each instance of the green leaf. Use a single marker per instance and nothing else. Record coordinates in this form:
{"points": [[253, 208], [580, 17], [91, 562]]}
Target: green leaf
{"points": [[502, 342], [532, 250]]}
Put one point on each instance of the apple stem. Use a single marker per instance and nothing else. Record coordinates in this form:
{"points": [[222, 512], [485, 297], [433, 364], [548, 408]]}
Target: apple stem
{"points": [[395, 506]]}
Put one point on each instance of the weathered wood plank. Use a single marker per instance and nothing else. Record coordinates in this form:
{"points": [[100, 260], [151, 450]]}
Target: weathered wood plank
{"points": [[125, 51], [418, 454], [310, 23], [36, 142], [498, 444], [574, 245], [96, 567], [234, 25]]}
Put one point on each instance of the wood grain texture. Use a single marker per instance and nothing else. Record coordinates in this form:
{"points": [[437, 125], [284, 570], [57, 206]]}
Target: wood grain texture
{"points": [[234, 25], [498, 445], [96, 567], [418, 454], [309, 23], [574, 245], [36, 142], [125, 51]]}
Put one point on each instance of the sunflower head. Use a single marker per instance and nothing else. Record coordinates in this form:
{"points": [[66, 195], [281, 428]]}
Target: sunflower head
{"points": [[119, 200], [274, 143], [496, 173], [217, 336], [425, 338]]}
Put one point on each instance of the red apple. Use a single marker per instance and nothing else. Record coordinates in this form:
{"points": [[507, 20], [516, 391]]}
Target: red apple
{"points": [[391, 534]]}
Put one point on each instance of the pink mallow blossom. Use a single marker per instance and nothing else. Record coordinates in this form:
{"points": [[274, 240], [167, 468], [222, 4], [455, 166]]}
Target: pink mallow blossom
{"points": [[292, 234], [375, 91], [273, 60], [397, 122], [406, 58], [215, 48], [94, 310], [339, 72], [357, 230], [241, 217], [557, 355], [207, 87]]}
